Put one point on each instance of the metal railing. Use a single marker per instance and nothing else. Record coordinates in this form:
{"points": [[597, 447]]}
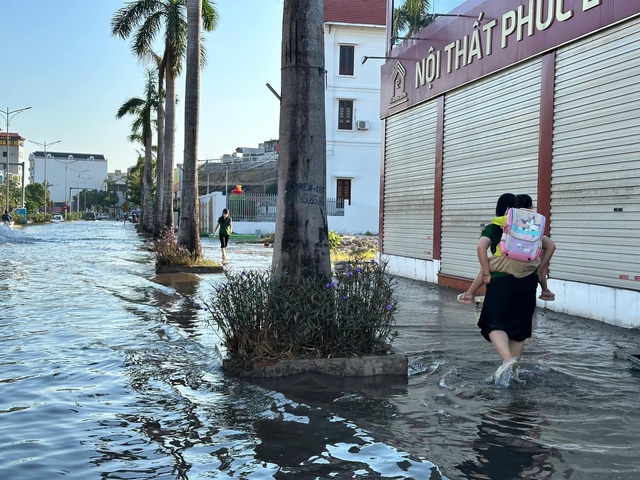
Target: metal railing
{"points": [[335, 207], [252, 207]]}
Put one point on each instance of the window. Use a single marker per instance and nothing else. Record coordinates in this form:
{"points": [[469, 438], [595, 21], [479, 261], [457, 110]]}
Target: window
{"points": [[343, 192], [346, 59], [345, 115]]}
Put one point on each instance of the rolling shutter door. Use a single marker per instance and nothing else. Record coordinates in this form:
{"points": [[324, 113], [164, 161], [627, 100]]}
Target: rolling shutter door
{"points": [[595, 179], [491, 132], [410, 151]]}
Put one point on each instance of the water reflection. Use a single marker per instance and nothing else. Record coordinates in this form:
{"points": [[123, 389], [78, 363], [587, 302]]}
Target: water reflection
{"points": [[508, 446], [109, 371], [180, 306]]}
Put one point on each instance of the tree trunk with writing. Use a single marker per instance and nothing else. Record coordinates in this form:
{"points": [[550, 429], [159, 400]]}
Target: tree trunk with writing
{"points": [[188, 231], [301, 247]]}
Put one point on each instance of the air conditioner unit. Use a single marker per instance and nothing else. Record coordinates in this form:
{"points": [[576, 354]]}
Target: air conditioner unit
{"points": [[362, 125]]}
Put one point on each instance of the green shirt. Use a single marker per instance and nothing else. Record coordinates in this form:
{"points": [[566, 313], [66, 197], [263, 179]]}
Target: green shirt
{"points": [[494, 233], [225, 225]]}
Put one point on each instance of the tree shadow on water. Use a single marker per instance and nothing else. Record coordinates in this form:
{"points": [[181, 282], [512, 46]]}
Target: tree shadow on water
{"points": [[507, 445], [180, 309]]}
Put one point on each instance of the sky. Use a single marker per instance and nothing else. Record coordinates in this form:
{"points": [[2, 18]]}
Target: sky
{"points": [[60, 59]]}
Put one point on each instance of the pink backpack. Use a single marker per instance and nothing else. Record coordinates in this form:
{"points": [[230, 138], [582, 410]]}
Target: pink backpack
{"points": [[522, 235]]}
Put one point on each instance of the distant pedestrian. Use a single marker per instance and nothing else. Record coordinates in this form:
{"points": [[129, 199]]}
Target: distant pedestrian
{"points": [[6, 217], [225, 224]]}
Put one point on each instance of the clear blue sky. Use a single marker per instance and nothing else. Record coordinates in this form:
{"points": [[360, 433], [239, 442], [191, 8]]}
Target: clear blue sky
{"points": [[60, 59]]}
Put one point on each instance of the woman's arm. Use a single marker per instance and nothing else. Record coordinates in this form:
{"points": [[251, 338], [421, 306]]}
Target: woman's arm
{"points": [[483, 244]]}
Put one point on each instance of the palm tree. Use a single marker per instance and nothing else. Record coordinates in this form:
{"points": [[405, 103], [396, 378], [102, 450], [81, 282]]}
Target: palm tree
{"points": [[189, 231], [411, 17], [141, 129], [144, 20], [301, 246]]}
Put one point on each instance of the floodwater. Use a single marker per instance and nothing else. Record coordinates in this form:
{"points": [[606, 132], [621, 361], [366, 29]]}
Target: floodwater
{"points": [[109, 371]]}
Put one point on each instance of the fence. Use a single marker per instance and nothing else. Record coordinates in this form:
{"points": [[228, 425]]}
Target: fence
{"points": [[252, 207], [262, 207]]}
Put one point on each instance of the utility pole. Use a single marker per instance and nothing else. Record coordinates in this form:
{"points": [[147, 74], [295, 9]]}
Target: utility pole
{"points": [[66, 164], [44, 146], [8, 115], [78, 185]]}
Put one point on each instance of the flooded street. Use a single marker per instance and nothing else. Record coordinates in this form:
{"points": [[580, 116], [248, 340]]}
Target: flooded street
{"points": [[108, 371]]}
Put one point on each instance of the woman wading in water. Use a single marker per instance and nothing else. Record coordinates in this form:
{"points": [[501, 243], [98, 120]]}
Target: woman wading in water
{"points": [[509, 303]]}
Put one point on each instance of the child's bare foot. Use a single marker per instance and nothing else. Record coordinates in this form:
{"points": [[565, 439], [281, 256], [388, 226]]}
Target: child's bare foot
{"points": [[465, 298], [547, 296]]}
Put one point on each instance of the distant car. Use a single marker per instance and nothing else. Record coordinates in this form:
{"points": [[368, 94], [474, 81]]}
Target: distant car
{"points": [[90, 216], [103, 216]]}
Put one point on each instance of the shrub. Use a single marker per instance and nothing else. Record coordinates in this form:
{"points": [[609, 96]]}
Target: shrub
{"points": [[334, 240], [262, 317], [38, 217], [168, 252]]}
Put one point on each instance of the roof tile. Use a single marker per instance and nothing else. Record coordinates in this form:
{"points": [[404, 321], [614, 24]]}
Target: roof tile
{"points": [[366, 12]]}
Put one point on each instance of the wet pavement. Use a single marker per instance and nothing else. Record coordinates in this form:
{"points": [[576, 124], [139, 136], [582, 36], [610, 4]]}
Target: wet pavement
{"points": [[109, 371]]}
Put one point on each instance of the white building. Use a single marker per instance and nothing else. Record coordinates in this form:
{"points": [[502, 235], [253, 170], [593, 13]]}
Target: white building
{"points": [[67, 173], [354, 29], [119, 181], [14, 152]]}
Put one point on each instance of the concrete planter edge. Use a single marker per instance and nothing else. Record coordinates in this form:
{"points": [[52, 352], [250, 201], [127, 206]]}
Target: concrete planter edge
{"points": [[197, 269], [393, 363]]}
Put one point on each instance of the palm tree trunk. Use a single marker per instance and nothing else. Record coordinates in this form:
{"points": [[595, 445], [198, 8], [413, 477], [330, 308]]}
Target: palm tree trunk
{"points": [[157, 211], [169, 144], [301, 241], [147, 201], [189, 231]]}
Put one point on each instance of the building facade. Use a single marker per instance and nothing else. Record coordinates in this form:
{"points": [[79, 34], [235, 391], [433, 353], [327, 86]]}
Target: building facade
{"points": [[537, 97], [67, 173], [12, 148], [118, 181], [353, 31]]}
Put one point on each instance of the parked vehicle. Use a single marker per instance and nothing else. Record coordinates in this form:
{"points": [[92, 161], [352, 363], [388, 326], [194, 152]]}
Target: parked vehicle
{"points": [[57, 218], [90, 216]]}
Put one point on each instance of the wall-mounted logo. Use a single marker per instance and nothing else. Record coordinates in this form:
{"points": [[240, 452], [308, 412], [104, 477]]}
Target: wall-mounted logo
{"points": [[398, 92]]}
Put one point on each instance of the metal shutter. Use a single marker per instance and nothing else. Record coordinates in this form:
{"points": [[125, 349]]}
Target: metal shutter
{"points": [[596, 160], [410, 152], [491, 131]]}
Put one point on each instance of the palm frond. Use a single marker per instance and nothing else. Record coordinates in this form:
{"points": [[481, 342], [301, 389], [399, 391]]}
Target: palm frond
{"points": [[210, 15], [130, 107]]}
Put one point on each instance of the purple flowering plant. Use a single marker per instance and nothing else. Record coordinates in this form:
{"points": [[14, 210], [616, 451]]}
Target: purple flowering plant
{"points": [[168, 252], [262, 316]]}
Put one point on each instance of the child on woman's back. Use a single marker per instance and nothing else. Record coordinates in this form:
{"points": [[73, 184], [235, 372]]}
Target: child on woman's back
{"points": [[519, 269]]}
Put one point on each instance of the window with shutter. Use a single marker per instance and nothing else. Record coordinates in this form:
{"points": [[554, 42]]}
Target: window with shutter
{"points": [[345, 115], [343, 191], [346, 59]]}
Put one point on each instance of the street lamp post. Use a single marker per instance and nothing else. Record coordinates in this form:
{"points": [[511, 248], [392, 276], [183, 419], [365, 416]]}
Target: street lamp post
{"points": [[78, 185], [8, 115], [44, 146], [85, 192], [66, 164]]}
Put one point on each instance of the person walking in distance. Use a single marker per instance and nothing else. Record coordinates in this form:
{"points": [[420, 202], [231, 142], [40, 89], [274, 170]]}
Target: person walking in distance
{"points": [[225, 224], [6, 217]]}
